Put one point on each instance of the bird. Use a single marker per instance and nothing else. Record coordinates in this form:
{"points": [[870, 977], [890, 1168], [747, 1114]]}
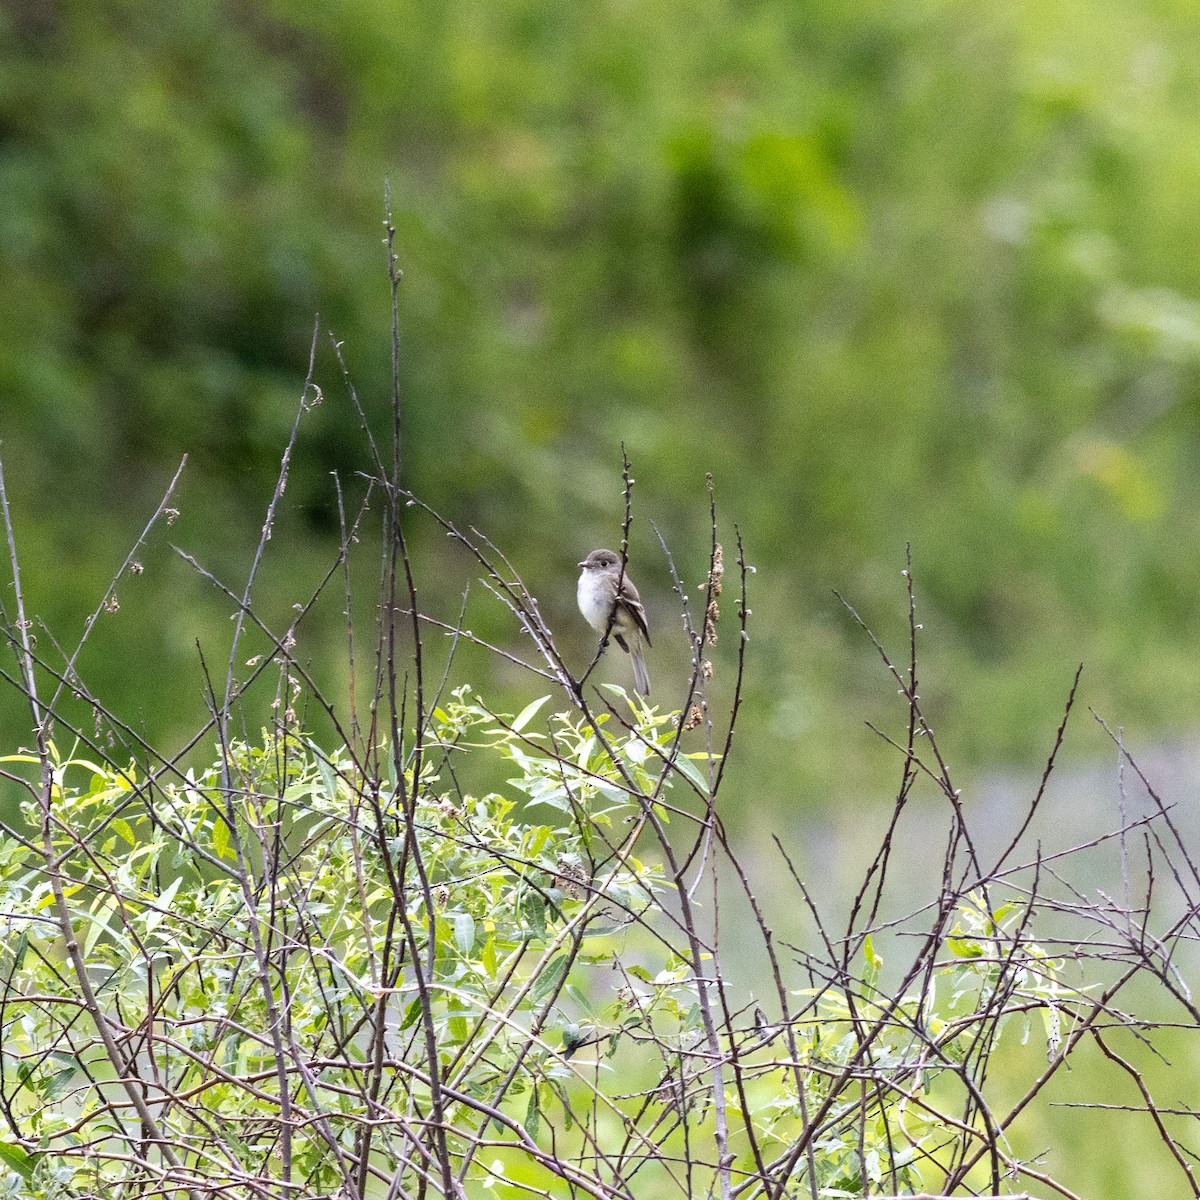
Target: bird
{"points": [[610, 604]]}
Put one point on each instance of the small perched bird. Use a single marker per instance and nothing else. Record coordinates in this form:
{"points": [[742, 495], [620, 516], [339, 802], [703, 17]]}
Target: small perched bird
{"points": [[611, 604]]}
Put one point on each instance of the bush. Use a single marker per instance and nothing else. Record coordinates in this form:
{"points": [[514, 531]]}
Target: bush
{"points": [[338, 969]]}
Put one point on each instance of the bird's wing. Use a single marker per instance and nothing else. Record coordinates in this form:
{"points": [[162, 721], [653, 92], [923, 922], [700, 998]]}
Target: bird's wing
{"points": [[632, 604]]}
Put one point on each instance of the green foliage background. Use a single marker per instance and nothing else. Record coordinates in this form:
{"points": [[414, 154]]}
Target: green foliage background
{"points": [[890, 271]]}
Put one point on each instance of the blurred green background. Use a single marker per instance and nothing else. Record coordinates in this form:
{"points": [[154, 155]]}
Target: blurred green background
{"points": [[891, 271]]}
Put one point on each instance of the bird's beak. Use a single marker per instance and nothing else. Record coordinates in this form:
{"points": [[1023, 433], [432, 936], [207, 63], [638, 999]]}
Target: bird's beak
{"points": [[583, 564]]}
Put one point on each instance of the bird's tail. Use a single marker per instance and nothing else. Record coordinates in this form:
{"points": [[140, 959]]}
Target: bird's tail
{"points": [[641, 677]]}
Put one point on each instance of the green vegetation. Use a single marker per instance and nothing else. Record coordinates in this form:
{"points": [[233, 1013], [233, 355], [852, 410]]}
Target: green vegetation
{"points": [[300, 972], [340, 967]]}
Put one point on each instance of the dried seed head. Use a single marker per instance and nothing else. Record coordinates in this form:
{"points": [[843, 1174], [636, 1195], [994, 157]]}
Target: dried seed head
{"points": [[571, 877], [711, 617], [717, 571]]}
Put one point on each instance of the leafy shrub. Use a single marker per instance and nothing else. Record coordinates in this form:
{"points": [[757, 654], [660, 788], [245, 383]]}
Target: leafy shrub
{"points": [[340, 970]]}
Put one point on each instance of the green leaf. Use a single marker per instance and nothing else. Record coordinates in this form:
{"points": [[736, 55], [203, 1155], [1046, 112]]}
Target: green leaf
{"points": [[533, 907], [548, 981], [61, 1082], [527, 714], [464, 932], [124, 829], [99, 925], [690, 771], [584, 754], [545, 791], [18, 1159], [578, 997], [533, 1114], [163, 904], [964, 947], [19, 952], [328, 779], [574, 1036], [221, 837], [636, 751], [602, 931]]}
